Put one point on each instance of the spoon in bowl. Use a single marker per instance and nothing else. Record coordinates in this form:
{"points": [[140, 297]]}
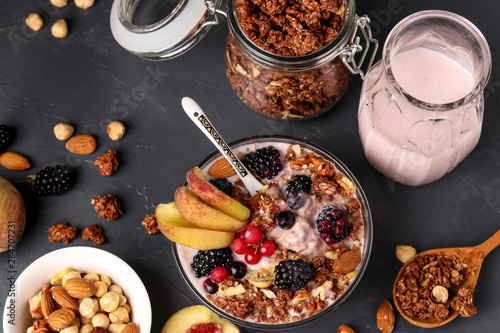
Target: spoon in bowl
{"points": [[196, 114], [474, 255]]}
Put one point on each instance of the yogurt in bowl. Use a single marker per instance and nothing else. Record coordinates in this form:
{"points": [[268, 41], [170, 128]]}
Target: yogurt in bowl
{"points": [[305, 248]]}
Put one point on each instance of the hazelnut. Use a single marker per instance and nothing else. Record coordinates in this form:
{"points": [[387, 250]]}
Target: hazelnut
{"points": [[63, 131], [59, 3], [405, 252], [59, 29], [116, 130], [34, 21], [84, 4]]}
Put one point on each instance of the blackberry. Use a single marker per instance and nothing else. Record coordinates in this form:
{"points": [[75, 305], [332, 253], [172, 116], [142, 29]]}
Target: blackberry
{"points": [[206, 260], [264, 162], [299, 182], [293, 274], [53, 180], [332, 224], [223, 184], [6, 137]]}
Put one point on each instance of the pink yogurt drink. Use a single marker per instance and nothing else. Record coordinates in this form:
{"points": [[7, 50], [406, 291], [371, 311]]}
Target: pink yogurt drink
{"points": [[421, 106]]}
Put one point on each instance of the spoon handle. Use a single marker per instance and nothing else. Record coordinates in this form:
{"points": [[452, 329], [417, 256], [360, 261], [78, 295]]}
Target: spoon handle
{"points": [[196, 114], [491, 243]]}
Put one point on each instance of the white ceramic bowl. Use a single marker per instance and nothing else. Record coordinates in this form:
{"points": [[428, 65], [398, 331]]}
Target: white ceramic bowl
{"points": [[88, 260]]}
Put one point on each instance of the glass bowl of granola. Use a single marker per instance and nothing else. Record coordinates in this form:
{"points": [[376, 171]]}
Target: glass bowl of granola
{"points": [[305, 247], [49, 293]]}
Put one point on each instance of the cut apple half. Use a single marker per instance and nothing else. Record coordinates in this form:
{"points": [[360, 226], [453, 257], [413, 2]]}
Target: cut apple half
{"points": [[215, 197], [198, 316], [178, 230], [198, 212]]}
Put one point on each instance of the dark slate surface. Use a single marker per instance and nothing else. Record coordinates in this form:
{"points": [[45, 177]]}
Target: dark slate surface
{"points": [[87, 79]]}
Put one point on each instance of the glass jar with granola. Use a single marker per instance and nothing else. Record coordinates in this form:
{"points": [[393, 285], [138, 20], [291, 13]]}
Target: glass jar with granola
{"points": [[287, 59]]}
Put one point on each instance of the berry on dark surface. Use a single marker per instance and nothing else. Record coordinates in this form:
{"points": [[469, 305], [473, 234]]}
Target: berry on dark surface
{"points": [[264, 162], [332, 224], [6, 137], [223, 184], [210, 286], [299, 182], [238, 269], [284, 219], [53, 180], [293, 274], [295, 199], [206, 260]]}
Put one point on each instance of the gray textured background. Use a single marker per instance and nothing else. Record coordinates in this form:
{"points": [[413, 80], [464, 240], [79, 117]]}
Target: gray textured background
{"points": [[87, 79]]}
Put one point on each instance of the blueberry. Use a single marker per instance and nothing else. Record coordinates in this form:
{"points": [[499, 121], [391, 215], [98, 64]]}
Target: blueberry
{"points": [[295, 199], [238, 269], [284, 219]]}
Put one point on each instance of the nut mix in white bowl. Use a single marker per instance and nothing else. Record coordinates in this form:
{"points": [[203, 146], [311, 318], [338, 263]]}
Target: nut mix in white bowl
{"points": [[304, 249], [75, 290]]}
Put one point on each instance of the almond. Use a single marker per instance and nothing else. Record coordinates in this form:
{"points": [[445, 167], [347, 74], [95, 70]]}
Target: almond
{"points": [[345, 329], [221, 169], [47, 303], [14, 161], [347, 262], [62, 298], [61, 318], [80, 288], [82, 144], [253, 202], [386, 317], [130, 328]]}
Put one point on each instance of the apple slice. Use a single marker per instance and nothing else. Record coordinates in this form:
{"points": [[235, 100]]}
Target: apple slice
{"points": [[198, 212], [201, 317], [178, 230], [215, 197]]}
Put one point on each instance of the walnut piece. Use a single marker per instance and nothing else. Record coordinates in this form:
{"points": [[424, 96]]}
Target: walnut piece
{"points": [[93, 233], [61, 232], [150, 224], [107, 162], [107, 206]]}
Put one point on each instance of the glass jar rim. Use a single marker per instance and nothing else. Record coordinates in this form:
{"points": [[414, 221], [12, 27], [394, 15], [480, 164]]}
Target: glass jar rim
{"points": [[306, 62], [479, 84]]}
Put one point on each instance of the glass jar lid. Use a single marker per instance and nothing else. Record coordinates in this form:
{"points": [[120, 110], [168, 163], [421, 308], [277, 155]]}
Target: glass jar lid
{"points": [[162, 29]]}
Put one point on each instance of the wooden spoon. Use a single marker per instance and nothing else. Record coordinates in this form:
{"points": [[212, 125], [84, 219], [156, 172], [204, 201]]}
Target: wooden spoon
{"points": [[473, 255]]}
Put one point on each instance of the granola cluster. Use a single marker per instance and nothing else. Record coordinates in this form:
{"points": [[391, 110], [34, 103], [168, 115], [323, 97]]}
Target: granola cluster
{"points": [[424, 288], [150, 224], [107, 206], [93, 233], [61, 232], [107, 162], [288, 28]]}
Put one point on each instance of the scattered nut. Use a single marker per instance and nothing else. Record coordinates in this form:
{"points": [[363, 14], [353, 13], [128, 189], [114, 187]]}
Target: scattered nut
{"points": [[59, 29], [84, 4], [116, 130], [63, 131], [107, 206], [94, 233], [386, 317], [34, 21], [150, 224], [107, 162], [14, 161], [405, 252], [59, 3], [345, 329], [440, 293], [61, 232]]}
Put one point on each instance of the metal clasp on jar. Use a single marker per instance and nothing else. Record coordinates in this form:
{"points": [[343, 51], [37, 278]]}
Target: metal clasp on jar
{"points": [[348, 54], [212, 9]]}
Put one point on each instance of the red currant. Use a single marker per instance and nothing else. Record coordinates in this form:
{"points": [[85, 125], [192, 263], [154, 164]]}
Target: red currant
{"points": [[240, 246], [253, 234], [219, 274], [267, 248], [240, 234], [252, 258]]}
